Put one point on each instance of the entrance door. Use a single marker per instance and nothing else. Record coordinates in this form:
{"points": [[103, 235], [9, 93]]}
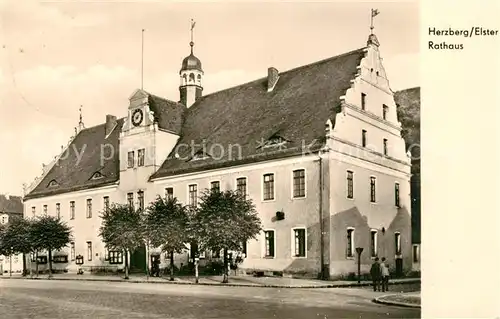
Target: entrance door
{"points": [[138, 260]]}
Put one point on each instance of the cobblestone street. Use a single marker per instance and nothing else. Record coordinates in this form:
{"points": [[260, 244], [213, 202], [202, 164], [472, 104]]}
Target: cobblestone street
{"points": [[71, 299]]}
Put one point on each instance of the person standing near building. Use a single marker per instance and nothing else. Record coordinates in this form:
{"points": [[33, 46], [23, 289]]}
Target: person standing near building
{"points": [[384, 268], [375, 273]]}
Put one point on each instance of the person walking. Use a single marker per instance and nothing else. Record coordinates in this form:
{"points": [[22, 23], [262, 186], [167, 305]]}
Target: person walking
{"points": [[384, 268], [375, 273]]}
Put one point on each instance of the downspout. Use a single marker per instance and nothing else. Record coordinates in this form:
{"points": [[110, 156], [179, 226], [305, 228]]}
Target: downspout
{"points": [[321, 226]]}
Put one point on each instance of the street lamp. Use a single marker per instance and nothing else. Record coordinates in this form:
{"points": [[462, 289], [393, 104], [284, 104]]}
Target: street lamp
{"points": [[359, 250]]}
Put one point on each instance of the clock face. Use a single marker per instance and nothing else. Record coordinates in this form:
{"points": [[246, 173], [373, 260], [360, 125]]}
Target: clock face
{"points": [[137, 117]]}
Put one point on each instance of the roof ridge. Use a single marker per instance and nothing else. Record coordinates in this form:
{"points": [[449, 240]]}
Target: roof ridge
{"points": [[287, 71], [162, 98]]}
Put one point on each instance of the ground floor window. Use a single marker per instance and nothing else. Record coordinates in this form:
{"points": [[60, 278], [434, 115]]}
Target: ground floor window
{"points": [[299, 242], [350, 243], [115, 257], [269, 242], [373, 243], [89, 251], [416, 252]]}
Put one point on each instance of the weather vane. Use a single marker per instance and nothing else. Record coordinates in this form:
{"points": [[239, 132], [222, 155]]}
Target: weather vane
{"points": [[375, 12]]}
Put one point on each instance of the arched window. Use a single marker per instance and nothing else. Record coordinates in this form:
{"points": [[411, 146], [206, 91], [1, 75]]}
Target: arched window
{"points": [[191, 77], [184, 79]]}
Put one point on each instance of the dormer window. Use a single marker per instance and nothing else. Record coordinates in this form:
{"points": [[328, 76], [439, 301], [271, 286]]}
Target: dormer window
{"points": [[200, 155], [97, 175], [53, 183], [274, 141]]}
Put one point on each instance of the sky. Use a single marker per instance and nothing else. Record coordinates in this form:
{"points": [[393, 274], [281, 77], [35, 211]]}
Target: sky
{"points": [[58, 55]]}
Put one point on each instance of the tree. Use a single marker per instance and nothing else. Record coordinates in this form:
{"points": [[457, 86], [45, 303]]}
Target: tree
{"points": [[17, 237], [225, 220], [166, 227], [122, 229], [49, 233]]}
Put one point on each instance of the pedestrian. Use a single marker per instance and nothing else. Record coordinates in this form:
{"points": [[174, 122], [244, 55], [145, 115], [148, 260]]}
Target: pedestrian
{"points": [[385, 275], [375, 273]]}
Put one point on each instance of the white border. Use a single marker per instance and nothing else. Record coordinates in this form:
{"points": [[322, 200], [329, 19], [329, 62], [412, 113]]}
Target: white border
{"points": [[246, 184], [262, 187], [188, 198], [347, 184], [373, 230], [353, 243], [263, 246], [370, 198]]}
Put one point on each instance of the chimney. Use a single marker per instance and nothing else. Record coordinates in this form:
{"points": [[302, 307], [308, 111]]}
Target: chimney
{"points": [[272, 78], [110, 124]]}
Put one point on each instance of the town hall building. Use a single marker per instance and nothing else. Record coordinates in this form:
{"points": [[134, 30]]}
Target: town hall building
{"points": [[318, 149]]}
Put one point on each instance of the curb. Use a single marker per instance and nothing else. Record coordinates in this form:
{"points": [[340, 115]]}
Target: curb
{"points": [[380, 300], [345, 285]]}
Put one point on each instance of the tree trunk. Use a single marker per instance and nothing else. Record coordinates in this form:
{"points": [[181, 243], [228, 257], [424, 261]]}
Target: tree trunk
{"points": [[126, 264], [171, 266], [196, 271], [50, 263], [36, 262], [25, 271], [225, 272], [31, 264]]}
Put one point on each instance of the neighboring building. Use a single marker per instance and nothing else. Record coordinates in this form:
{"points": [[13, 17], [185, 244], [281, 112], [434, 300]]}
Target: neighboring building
{"points": [[408, 102], [317, 148], [10, 207]]}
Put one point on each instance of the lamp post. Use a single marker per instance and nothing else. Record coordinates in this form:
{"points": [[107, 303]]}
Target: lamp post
{"points": [[359, 250]]}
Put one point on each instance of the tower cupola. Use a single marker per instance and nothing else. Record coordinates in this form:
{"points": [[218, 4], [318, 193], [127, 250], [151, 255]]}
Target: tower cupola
{"points": [[191, 76]]}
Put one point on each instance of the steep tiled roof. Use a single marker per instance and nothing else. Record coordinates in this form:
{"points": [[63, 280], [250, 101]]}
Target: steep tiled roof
{"points": [[82, 159], [11, 205], [167, 113], [296, 110]]}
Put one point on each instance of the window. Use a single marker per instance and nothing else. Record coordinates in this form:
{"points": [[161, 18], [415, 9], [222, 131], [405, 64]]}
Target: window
{"points": [[372, 189], [106, 202], [72, 210], [386, 151], [215, 253], [299, 183], [72, 251], [97, 175], [169, 192], [45, 210], [299, 242], [58, 210], [396, 194], [33, 211], [241, 186], [130, 200], [350, 184], [363, 138], [415, 254], [89, 251], [269, 187], [269, 242], [130, 159], [115, 257], [60, 259], [215, 186], [363, 101], [4, 219], [373, 243], [140, 157], [397, 243], [385, 109], [244, 248], [106, 254], [193, 195], [140, 199], [350, 242], [89, 208]]}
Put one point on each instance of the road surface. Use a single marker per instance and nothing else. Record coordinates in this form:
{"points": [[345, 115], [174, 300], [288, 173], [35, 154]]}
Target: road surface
{"points": [[82, 299]]}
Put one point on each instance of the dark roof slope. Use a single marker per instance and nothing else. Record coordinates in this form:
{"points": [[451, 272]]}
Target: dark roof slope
{"points": [[408, 102], [167, 113], [87, 154], [296, 110], [11, 205]]}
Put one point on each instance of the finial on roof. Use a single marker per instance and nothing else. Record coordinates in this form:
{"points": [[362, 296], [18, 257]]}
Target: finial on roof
{"points": [[375, 12], [80, 124], [193, 23]]}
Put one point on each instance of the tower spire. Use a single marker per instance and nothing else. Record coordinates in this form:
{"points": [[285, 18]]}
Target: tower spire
{"points": [[193, 23]]}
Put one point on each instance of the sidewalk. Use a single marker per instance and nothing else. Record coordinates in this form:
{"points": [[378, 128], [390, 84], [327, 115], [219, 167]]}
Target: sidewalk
{"points": [[411, 299], [241, 281]]}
